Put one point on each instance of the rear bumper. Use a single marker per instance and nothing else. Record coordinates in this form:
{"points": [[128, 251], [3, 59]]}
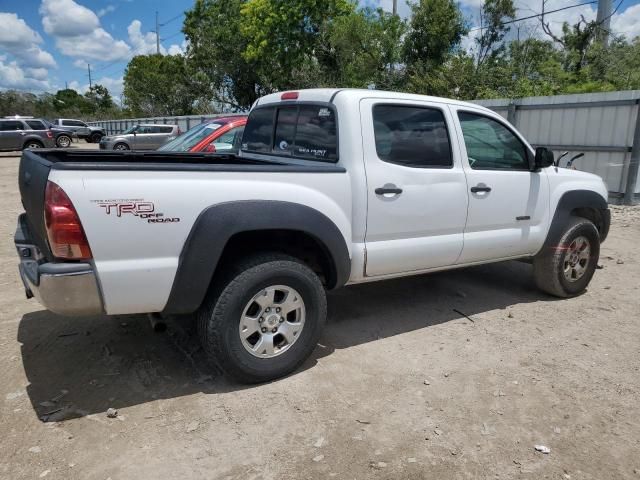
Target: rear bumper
{"points": [[63, 288]]}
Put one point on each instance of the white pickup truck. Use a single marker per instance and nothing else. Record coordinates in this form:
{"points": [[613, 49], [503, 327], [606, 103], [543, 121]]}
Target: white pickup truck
{"points": [[331, 187]]}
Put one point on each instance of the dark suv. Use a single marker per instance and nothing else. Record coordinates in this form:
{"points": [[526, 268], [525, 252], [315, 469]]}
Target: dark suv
{"points": [[90, 133], [18, 133]]}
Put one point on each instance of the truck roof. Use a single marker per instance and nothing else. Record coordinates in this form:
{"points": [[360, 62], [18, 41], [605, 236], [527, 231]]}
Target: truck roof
{"points": [[328, 94]]}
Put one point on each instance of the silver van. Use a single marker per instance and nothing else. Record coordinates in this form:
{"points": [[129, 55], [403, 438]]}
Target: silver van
{"points": [[140, 137]]}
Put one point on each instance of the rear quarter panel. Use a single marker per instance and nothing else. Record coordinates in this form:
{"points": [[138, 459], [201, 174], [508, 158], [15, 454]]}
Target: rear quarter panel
{"points": [[136, 260]]}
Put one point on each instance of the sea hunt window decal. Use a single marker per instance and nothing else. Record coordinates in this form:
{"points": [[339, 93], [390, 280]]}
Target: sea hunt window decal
{"points": [[137, 207]]}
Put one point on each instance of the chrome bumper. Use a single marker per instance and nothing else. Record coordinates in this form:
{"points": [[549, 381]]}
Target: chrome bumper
{"points": [[63, 288]]}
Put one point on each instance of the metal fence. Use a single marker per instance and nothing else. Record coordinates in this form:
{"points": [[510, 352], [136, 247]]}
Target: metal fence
{"points": [[605, 126], [184, 122]]}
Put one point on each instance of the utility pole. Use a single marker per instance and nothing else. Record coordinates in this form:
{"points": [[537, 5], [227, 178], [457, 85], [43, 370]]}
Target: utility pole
{"points": [[395, 7], [603, 20], [157, 34], [89, 70]]}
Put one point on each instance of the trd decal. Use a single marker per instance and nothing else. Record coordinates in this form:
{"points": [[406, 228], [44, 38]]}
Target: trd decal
{"points": [[138, 208]]}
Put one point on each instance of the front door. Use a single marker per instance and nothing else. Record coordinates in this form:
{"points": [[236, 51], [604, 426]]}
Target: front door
{"points": [[416, 188], [508, 203]]}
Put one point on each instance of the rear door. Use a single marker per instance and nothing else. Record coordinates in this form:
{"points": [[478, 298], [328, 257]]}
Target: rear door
{"points": [[417, 191], [508, 203], [11, 134]]}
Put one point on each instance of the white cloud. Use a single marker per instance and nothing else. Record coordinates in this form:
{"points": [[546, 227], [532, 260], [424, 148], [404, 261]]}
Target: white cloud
{"points": [[175, 50], [142, 43], [627, 23], [80, 63], [77, 32], [108, 9], [19, 40], [145, 43], [66, 18], [13, 76], [37, 73]]}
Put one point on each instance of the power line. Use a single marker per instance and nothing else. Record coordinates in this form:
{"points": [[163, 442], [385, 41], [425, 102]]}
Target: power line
{"points": [[172, 19], [539, 14]]}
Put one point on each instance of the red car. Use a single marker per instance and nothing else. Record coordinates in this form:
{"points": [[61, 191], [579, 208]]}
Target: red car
{"points": [[216, 135]]}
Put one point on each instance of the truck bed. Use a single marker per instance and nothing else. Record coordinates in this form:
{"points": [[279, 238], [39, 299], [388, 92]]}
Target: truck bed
{"points": [[37, 166]]}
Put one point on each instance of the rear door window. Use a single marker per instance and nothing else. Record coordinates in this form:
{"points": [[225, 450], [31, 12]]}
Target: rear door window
{"points": [[412, 136], [301, 131], [36, 125]]}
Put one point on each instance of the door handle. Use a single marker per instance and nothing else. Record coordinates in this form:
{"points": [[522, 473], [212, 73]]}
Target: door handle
{"points": [[383, 190], [479, 188]]}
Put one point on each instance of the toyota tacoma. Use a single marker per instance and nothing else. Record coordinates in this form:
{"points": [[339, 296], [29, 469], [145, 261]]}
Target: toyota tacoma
{"points": [[330, 187]]}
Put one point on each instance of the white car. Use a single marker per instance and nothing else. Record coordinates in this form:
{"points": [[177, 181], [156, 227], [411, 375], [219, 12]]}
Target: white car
{"points": [[331, 187]]}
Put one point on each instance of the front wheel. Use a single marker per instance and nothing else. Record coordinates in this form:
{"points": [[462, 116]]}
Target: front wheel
{"points": [[94, 138], [567, 268], [121, 147], [264, 319]]}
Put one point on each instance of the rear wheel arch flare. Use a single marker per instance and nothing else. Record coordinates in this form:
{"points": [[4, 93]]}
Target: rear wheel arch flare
{"points": [[203, 250]]}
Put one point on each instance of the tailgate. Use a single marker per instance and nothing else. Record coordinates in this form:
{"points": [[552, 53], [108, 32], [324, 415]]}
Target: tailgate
{"points": [[32, 180]]}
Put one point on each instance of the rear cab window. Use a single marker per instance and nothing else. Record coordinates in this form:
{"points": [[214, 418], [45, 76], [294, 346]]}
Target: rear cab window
{"points": [[304, 131]]}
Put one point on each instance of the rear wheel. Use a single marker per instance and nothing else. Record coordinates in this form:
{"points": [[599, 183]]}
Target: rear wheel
{"points": [[33, 144], [121, 146], [567, 269], [264, 319], [63, 141]]}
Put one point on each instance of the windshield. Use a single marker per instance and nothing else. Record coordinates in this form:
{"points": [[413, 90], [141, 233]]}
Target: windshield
{"points": [[130, 130], [191, 137]]}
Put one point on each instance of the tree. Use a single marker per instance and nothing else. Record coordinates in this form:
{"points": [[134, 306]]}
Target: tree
{"points": [[160, 85], [100, 98], [282, 37], [361, 49], [216, 52], [435, 29], [493, 29]]}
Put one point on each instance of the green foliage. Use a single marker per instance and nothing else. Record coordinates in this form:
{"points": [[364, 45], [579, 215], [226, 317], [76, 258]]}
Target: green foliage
{"points": [[240, 50], [95, 104], [435, 28], [363, 48], [160, 85]]}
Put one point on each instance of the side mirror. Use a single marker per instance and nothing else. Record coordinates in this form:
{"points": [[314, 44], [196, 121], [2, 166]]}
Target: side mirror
{"points": [[543, 159]]}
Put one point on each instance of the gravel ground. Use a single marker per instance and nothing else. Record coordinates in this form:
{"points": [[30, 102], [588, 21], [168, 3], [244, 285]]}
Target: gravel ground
{"points": [[400, 386]]}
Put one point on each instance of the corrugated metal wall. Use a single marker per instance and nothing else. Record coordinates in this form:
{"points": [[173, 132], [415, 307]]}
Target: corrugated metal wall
{"points": [[602, 125]]}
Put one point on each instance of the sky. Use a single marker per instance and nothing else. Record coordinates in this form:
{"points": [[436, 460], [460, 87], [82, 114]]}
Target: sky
{"points": [[47, 44]]}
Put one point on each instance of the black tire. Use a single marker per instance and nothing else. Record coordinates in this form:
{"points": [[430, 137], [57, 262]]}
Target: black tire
{"points": [[63, 141], [121, 146], [549, 265], [94, 138], [33, 144], [218, 319]]}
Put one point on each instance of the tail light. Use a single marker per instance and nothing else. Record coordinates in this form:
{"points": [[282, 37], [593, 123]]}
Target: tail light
{"points": [[289, 96], [49, 134], [67, 239]]}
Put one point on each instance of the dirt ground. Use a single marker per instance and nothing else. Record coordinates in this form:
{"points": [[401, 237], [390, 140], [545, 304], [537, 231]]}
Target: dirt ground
{"points": [[401, 385]]}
